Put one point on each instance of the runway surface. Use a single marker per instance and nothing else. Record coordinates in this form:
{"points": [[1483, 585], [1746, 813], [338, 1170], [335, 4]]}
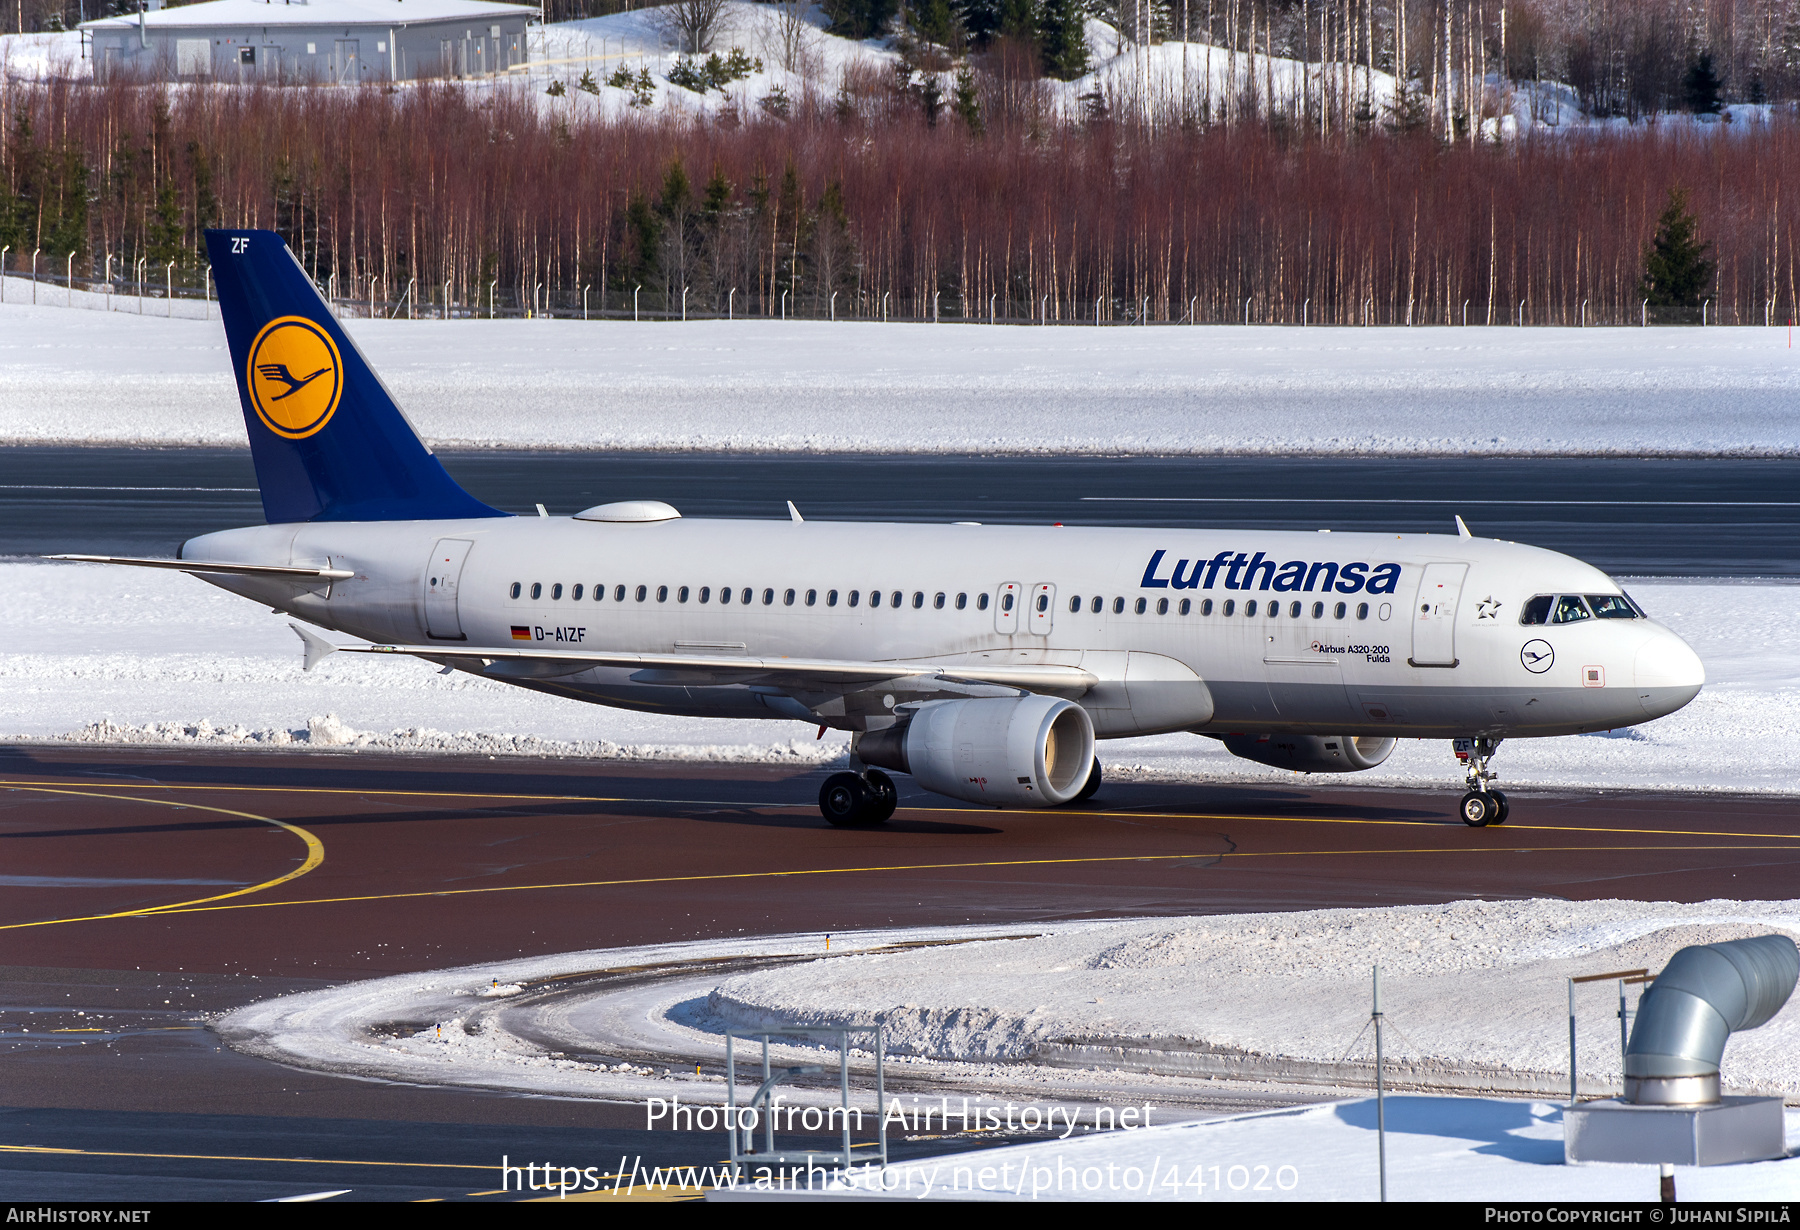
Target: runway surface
{"points": [[147, 887], [1663, 517]]}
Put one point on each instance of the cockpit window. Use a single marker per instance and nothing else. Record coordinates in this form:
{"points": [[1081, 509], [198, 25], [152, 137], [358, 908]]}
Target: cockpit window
{"points": [[1611, 606], [1537, 611], [1570, 610]]}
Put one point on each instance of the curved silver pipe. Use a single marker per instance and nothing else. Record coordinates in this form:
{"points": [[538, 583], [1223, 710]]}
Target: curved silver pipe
{"points": [[1703, 995]]}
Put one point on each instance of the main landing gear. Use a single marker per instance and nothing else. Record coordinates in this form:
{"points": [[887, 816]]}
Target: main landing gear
{"points": [[858, 800], [1482, 805]]}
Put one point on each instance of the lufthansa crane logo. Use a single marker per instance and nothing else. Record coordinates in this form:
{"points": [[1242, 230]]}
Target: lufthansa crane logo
{"points": [[1537, 656], [295, 377]]}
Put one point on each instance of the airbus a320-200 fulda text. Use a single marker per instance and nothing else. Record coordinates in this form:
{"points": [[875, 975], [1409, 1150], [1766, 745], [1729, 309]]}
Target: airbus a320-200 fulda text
{"points": [[985, 661]]}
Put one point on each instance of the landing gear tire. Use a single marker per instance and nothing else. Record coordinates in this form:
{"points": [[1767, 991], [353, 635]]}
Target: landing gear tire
{"points": [[1500, 807], [1480, 809], [883, 796], [1089, 788], [850, 801]]}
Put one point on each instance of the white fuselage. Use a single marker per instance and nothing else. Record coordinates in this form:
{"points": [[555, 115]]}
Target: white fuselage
{"points": [[1436, 650]]}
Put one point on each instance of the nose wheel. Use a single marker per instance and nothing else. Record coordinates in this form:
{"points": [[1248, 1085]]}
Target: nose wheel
{"points": [[858, 800], [1481, 808], [1482, 805]]}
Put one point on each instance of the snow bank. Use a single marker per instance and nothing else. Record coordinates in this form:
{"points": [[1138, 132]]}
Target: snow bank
{"points": [[118, 377]]}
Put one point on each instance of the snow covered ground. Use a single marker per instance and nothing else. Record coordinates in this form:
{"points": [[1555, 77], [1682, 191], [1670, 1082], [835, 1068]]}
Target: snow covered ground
{"points": [[129, 655], [1438, 1149], [1471, 987], [68, 374]]}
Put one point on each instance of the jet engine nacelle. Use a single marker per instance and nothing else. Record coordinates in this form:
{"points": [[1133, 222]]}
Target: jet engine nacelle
{"points": [[1028, 751], [1312, 753]]}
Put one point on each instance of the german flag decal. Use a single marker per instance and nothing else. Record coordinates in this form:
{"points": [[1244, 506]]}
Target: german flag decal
{"points": [[521, 633]]}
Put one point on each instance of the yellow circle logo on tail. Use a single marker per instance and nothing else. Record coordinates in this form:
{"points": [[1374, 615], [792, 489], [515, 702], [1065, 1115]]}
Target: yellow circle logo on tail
{"points": [[295, 377]]}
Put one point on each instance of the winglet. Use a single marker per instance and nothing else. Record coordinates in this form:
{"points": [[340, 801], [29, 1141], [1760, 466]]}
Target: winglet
{"points": [[794, 512], [317, 648], [1462, 531]]}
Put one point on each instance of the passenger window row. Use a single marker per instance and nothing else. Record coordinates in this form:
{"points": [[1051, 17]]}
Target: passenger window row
{"points": [[725, 595], [1574, 608], [1270, 609]]}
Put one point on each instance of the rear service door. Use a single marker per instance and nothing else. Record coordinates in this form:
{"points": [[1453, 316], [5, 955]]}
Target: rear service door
{"points": [[1434, 615], [443, 577]]}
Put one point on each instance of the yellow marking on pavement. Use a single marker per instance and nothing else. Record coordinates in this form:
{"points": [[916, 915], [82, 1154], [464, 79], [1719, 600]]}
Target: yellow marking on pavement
{"points": [[315, 854], [965, 812], [226, 1157], [1023, 862]]}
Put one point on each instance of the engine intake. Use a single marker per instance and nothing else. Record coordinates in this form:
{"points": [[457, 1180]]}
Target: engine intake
{"points": [[1311, 753], [1029, 751]]}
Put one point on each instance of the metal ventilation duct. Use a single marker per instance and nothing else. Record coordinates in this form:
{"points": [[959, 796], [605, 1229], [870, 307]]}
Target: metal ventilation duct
{"points": [[1703, 995]]}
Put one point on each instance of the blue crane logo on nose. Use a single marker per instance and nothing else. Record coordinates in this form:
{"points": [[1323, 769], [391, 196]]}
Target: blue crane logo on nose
{"points": [[1537, 656]]}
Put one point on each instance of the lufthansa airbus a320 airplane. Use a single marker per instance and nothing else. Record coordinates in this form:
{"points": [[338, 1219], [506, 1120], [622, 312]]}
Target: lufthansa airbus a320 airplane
{"points": [[985, 661]]}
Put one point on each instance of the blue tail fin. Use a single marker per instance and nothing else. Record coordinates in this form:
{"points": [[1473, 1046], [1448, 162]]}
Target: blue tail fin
{"points": [[328, 441]]}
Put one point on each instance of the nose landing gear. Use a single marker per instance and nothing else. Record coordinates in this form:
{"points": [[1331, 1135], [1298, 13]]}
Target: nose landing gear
{"points": [[858, 800], [1482, 805]]}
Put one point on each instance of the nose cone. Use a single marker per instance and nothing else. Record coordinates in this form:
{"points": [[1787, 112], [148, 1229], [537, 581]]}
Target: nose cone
{"points": [[1669, 674]]}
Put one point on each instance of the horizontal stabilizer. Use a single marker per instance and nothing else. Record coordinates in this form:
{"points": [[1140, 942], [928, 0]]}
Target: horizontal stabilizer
{"points": [[279, 571]]}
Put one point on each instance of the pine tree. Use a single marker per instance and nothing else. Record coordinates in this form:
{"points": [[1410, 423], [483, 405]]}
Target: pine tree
{"points": [[1701, 86], [1062, 39], [966, 102], [1676, 271]]}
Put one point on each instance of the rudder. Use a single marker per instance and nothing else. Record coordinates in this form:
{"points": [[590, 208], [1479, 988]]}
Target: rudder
{"points": [[328, 441]]}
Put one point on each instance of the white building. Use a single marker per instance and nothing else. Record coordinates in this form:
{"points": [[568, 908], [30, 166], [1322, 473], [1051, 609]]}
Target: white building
{"points": [[333, 41]]}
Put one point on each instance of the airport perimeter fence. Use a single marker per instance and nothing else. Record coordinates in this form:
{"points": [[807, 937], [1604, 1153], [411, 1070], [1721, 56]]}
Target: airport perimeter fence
{"points": [[95, 287]]}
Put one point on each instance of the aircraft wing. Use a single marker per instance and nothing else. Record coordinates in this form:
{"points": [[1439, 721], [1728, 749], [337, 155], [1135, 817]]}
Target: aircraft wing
{"points": [[719, 670], [279, 571]]}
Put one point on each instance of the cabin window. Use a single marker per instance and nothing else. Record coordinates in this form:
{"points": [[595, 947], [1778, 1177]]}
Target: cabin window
{"points": [[1162, 606], [918, 600], [724, 595], [768, 597], [1318, 610], [787, 598], [962, 600], [1206, 606], [744, 595], [618, 593], [898, 600], [831, 597], [705, 593], [1139, 608], [1294, 610], [1118, 606], [1186, 606], [575, 594], [855, 597], [556, 590], [938, 602], [1337, 611], [1006, 602], [1250, 609], [1229, 607], [642, 592], [681, 595], [1075, 606], [1043, 603], [1098, 604], [514, 591], [812, 597], [662, 593], [1362, 610], [537, 591], [981, 602]]}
